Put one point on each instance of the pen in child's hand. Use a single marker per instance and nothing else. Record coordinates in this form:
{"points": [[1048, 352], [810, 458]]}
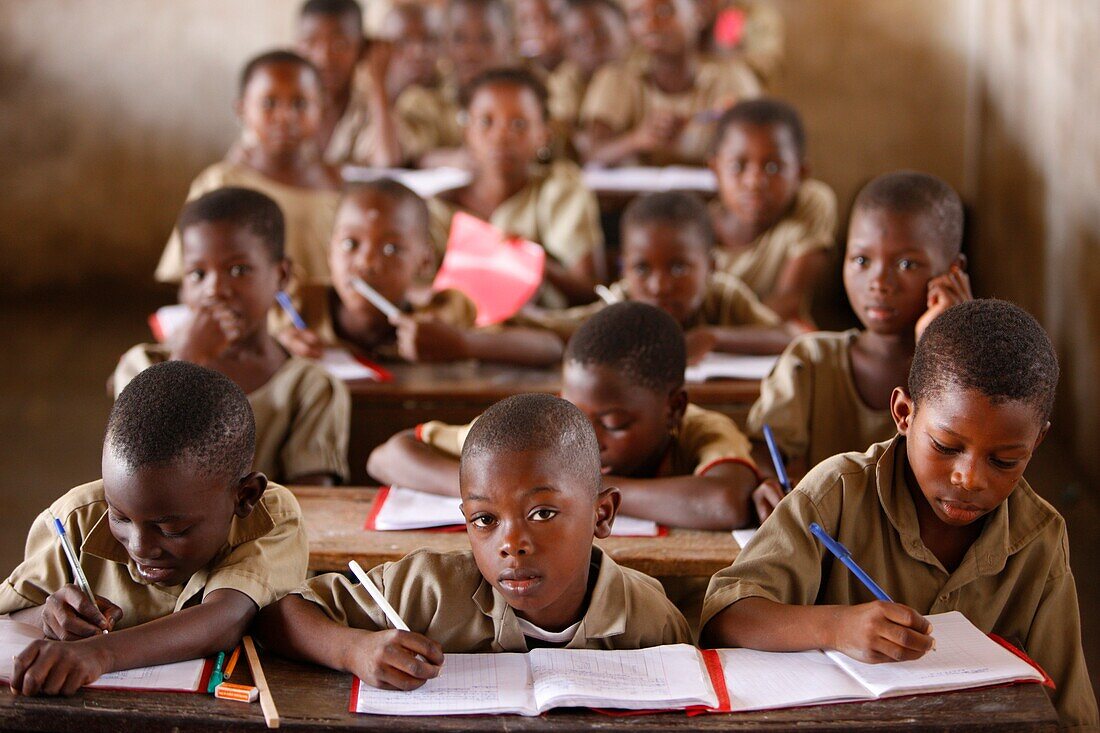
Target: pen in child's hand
{"points": [[607, 295], [777, 459], [376, 298], [78, 572], [295, 317], [842, 554], [376, 594]]}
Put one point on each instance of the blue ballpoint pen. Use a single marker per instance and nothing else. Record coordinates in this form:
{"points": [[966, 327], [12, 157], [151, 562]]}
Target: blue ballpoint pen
{"points": [[780, 469], [845, 557], [295, 316]]}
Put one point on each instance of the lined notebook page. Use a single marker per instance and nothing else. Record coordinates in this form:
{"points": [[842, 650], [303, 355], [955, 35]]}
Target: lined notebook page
{"points": [[14, 637], [468, 683], [963, 657], [670, 676], [759, 680]]}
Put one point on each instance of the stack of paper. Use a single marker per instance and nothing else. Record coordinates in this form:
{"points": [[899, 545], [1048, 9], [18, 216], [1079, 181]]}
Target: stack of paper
{"points": [[425, 183], [730, 366]]}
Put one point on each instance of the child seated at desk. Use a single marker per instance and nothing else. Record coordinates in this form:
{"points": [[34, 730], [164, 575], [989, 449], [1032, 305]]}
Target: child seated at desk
{"points": [[775, 226], [518, 189], [658, 108], [412, 30], [279, 106], [180, 541], [674, 462], [594, 34], [234, 265], [381, 237], [829, 393], [356, 124], [667, 261], [940, 516], [531, 495]]}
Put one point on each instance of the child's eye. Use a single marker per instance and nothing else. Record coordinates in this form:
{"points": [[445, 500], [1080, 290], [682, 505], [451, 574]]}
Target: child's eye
{"points": [[771, 168], [737, 168], [239, 270], [543, 515], [177, 533], [484, 122], [941, 448], [117, 519], [268, 104], [678, 269], [519, 125], [483, 521], [1003, 464], [641, 269], [389, 249], [616, 427], [859, 261], [299, 103], [348, 244], [196, 276], [907, 264]]}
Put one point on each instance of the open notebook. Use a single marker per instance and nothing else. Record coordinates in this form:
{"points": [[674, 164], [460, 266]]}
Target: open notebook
{"points": [[680, 676], [730, 366], [397, 508], [190, 676]]}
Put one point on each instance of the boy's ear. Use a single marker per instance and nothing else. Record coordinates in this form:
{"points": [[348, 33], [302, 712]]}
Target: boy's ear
{"points": [[902, 409], [607, 506], [1042, 435], [677, 406], [286, 266], [250, 489], [962, 262]]}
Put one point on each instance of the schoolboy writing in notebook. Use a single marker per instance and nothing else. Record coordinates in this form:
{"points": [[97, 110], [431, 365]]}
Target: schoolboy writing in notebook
{"points": [[356, 123], [234, 265], [181, 541], [520, 190], [940, 517], [656, 108], [830, 393], [531, 495], [381, 238], [667, 261], [279, 106], [674, 462], [775, 225]]}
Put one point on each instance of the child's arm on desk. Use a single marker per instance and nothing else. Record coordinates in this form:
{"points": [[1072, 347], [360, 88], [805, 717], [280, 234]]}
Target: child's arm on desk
{"points": [[390, 659], [421, 340], [405, 461], [721, 499], [870, 632], [63, 667], [762, 340]]}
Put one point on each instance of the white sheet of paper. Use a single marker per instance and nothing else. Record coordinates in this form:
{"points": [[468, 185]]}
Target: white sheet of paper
{"points": [[963, 657], [645, 179], [172, 319], [425, 182], [406, 509], [730, 366], [342, 365], [759, 680], [742, 536]]}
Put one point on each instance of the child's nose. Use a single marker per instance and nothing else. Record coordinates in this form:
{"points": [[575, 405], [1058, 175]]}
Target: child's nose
{"points": [[964, 474], [141, 545], [515, 541], [217, 285], [659, 283]]}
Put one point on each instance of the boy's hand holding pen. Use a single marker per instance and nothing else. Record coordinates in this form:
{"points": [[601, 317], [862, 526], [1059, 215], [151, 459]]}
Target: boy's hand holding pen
{"points": [[69, 614]]}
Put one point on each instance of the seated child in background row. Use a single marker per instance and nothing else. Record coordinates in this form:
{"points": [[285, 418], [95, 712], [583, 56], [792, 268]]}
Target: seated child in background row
{"points": [[477, 35], [674, 463], [180, 541], [356, 125], [594, 34], [233, 265], [829, 393], [667, 261], [279, 108], [531, 495], [381, 237], [940, 516], [412, 30], [775, 226], [518, 189], [657, 109]]}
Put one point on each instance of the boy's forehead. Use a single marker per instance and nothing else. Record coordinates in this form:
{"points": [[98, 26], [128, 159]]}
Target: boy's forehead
{"points": [[971, 415], [157, 491], [663, 236], [498, 475], [345, 23], [905, 229], [220, 237], [741, 132]]}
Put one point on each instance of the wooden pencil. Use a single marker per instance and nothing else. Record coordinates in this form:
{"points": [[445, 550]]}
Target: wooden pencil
{"points": [[267, 703]]}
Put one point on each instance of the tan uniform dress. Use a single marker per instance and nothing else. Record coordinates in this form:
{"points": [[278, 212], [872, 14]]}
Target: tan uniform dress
{"points": [[265, 557], [811, 403], [302, 415], [444, 597], [309, 215], [620, 97], [1015, 580]]}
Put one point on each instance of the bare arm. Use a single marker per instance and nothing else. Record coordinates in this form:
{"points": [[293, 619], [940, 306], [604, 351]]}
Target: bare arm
{"points": [[515, 345], [576, 282], [722, 499], [405, 461]]}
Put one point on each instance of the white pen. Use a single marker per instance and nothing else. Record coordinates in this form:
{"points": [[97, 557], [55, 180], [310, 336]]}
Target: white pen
{"points": [[376, 298], [376, 594], [607, 295]]}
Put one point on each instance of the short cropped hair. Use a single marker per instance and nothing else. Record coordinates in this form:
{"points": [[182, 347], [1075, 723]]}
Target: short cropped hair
{"points": [[992, 346], [642, 342], [333, 9], [508, 76], [763, 112], [278, 56], [177, 413], [913, 192], [676, 208], [241, 207], [397, 192], [528, 422]]}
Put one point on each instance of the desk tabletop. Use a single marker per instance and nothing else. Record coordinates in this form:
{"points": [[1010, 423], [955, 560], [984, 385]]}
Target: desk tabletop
{"points": [[334, 519], [314, 699]]}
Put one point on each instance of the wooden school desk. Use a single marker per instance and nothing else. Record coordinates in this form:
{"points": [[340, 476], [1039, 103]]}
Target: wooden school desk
{"points": [[314, 699], [460, 391], [334, 520]]}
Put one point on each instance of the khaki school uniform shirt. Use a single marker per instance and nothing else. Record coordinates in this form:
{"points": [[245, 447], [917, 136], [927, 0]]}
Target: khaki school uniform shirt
{"points": [[355, 137], [427, 118], [302, 414], [620, 97], [811, 403], [265, 557], [565, 85], [316, 303], [704, 440], [809, 226], [727, 302], [444, 597], [1015, 580], [309, 215]]}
